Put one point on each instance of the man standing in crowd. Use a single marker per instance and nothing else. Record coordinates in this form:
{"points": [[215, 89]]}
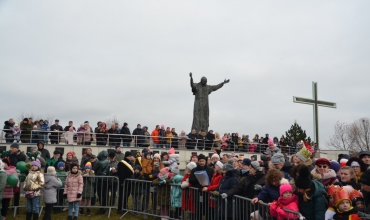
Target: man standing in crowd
{"points": [[26, 128], [365, 188], [279, 163], [100, 133], [91, 133], [113, 136], [70, 124], [112, 182], [8, 125], [202, 166], [44, 152], [192, 140], [126, 135], [365, 157], [155, 138], [119, 155], [86, 158], [16, 156], [101, 168], [265, 140], [139, 139], [124, 170], [56, 132], [210, 138]]}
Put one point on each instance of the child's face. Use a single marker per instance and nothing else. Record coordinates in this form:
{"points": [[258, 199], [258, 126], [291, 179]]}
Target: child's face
{"points": [[360, 205], [287, 194], [61, 168], [344, 206], [34, 168], [137, 171], [87, 170], [148, 156], [74, 169]]}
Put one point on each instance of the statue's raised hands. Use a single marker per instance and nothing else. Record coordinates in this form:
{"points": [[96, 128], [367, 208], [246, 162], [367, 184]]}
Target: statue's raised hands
{"points": [[226, 81], [191, 75]]}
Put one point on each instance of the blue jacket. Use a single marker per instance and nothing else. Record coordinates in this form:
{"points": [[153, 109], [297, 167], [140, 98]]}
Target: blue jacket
{"points": [[175, 194], [315, 207], [269, 193], [228, 181]]}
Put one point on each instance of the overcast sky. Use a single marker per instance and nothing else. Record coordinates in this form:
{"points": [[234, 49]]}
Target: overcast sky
{"points": [[93, 60]]}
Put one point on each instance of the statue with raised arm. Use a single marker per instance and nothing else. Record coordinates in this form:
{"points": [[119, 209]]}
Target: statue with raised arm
{"points": [[201, 107]]}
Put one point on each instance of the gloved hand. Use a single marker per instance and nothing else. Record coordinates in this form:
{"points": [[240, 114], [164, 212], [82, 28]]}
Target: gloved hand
{"points": [[224, 195], [79, 195], [162, 182], [64, 196], [216, 193], [257, 187]]}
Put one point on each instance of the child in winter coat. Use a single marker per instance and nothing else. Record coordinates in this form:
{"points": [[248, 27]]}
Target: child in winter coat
{"points": [[45, 128], [69, 135], [61, 174], [147, 166], [73, 191], [287, 200], [176, 192], [172, 159], [16, 131], [8, 193], [163, 182], [330, 212], [344, 208], [80, 134], [88, 190], [357, 200], [52, 183], [33, 184]]}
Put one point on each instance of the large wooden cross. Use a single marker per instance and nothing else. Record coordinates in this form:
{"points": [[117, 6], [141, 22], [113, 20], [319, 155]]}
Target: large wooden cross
{"points": [[316, 103]]}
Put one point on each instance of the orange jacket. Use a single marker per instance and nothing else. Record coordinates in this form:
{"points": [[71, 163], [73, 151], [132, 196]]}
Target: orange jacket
{"points": [[155, 133]]}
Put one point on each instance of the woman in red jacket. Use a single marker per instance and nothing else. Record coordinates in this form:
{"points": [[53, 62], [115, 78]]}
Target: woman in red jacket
{"points": [[215, 181], [187, 197]]}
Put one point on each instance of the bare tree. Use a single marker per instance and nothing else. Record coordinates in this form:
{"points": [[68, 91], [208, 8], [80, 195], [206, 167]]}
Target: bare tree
{"points": [[35, 117], [111, 121], [360, 134], [341, 139]]}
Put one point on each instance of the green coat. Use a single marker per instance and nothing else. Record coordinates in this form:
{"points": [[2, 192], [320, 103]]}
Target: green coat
{"points": [[89, 183], [315, 207], [26, 132], [176, 192], [3, 178], [62, 175], [164, 191]]}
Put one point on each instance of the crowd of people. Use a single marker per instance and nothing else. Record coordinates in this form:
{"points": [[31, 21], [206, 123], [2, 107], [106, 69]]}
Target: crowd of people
{"points": [[317, 188], [30, 131]]}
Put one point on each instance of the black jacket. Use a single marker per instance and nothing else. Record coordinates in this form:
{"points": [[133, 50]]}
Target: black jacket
{"points": [[123, 171], [192, 139], [54, 135], [126, 138], [113, 139], [193, 179], [44, 152], [15, 158], [246, 187], [356, 186], [8, 125], [139, 131]]}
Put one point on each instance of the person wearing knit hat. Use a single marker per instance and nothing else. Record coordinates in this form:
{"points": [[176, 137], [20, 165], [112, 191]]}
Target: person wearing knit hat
{"points": [[245, 165], [228, 166], [312, 203], [343, 204], [175, 170], [322, 170], [157, 156], [365, 157], [128, 154], [194, 158], [33, 184], [334, 165], [271, 148], [287, 200], [88, 165], [51, 170], [343, 162], [357, 165]]}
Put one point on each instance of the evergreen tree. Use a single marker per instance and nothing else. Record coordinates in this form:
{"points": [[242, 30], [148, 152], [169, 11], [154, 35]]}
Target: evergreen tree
{"points": [[296, 132]]}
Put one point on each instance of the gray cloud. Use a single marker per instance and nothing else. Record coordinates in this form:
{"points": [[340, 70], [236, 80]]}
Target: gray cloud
{"points": [[92, 60]]}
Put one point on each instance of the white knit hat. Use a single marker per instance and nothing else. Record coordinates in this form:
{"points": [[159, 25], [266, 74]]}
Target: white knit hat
{"points": [[215, 156], [157, 156], [218, 163], [191, 165]]}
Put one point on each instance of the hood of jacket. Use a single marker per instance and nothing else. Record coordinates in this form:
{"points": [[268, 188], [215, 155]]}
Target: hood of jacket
{"points": [[103, 155], [42, 143], [177, 178], [8, 123], [72, 174], [48, 177], [319, 189]]}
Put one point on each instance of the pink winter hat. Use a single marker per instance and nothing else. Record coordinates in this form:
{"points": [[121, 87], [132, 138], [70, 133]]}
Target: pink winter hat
{"points": [[36, 163], [164, 171], [270, 142], [285, 186], [171, 151]]}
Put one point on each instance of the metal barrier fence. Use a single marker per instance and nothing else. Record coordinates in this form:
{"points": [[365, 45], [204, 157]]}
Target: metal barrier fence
{"points": [[107, 139], [98, 192], [164, 200], [169, 201]]}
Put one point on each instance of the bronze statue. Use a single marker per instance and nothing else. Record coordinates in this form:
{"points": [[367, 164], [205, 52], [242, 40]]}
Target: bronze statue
{"points": [[201, 107]]}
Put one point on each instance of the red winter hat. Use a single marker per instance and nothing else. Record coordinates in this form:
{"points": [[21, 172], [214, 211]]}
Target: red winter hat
{"points": [[323, 161]]}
